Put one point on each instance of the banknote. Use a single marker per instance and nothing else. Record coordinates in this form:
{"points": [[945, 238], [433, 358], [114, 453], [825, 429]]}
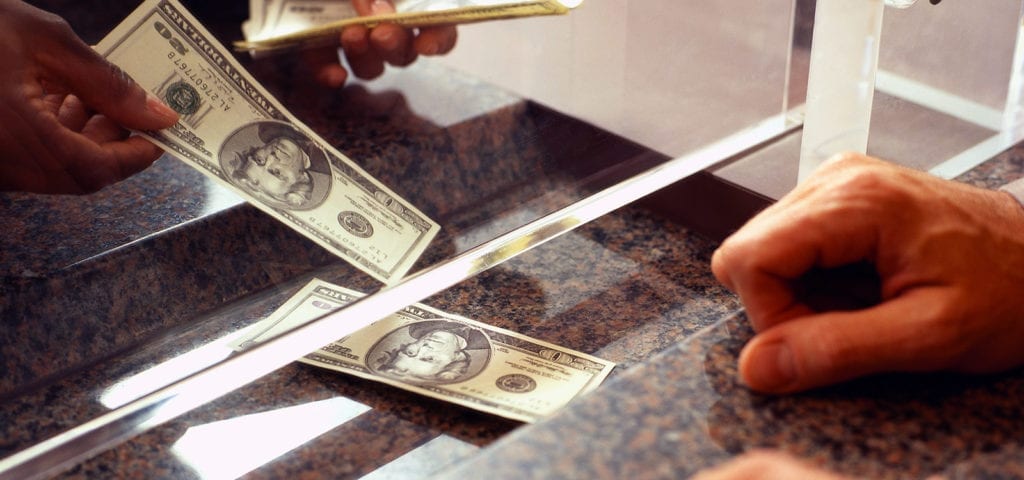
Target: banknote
{"points": [[270, 18], [441, 355], [235, 132], [284, 24]]}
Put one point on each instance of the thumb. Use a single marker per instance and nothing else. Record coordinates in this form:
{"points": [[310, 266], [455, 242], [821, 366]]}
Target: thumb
{"points": [[106, 88], [828, 348]]}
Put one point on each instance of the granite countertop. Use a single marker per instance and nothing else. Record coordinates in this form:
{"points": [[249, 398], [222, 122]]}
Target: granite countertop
{"points": [[683, 410], [99, 299]]}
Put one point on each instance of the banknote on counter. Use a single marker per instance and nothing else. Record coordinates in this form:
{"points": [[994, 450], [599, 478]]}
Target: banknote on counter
{"points": [[235, 132], [443, 356], [283, 24]]}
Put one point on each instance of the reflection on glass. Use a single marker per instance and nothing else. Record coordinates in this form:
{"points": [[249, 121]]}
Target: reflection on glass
{"points": [[230, 448], [424, 461], [217, 198], [166, 373]]}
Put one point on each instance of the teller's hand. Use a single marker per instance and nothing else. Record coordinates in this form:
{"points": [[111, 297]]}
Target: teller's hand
{"points": [[367, 50], [950, 259], [65, 110]]}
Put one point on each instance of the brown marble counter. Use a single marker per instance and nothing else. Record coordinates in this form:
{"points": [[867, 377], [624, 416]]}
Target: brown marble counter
{"points": [[96, 290]]}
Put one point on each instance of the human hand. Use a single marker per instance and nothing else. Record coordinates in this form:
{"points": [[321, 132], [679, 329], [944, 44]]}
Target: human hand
{"points": [[949, 257], [765, 465], [64, 109], [367, 50]]}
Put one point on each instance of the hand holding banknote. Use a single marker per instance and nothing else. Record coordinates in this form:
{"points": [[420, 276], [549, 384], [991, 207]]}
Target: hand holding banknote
{"points": [[66, 110], [368, 50], [241, 137]]}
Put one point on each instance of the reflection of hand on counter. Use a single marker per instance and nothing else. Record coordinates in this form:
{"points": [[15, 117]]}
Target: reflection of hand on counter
{"points": [[765, 465], [949, 258], [368, 50], [63, 128]]}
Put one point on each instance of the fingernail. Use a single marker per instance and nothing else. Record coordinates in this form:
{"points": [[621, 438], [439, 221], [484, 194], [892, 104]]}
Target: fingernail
{"points": [[770, 367], [155, 106], [379, 7], [429, 49]]}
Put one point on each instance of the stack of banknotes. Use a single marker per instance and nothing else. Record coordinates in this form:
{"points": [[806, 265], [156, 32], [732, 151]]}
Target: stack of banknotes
{"points": [[272, 18], [281, 24], [233, 131]]}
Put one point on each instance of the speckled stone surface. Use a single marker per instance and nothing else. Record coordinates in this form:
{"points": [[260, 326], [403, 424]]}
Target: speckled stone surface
{"points": [[684, 410], [118, 282], [75, 269], [634, 300], [103, 287]]}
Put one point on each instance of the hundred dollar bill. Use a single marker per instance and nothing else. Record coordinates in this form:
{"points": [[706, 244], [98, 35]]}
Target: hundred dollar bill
{"points": [[235, 132], [270, 18], [285, 24], [443, 356]]}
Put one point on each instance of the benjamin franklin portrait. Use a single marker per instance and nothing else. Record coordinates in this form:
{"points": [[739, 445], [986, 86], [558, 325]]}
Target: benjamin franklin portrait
{"points": [[431, 352], [277, 164]]}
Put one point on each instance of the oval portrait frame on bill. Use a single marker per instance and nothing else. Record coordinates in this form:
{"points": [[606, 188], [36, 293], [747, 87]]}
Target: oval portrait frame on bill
{"points": [[431, 352], [277, 164]]}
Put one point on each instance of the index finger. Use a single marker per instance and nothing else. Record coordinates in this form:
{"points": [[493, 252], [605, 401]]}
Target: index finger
{"points": [[768, 295], [814, 227]]}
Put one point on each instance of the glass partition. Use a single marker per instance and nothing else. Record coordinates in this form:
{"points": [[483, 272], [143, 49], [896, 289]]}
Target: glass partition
{"points": [[949, 82], [533, 155], [946, 93], [672, 75]]}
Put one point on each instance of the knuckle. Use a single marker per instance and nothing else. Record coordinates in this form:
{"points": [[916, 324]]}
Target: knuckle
{"points": [[58, 30], [721, 265], [863, 179], [54, 24], [730, 255], [841, 161], [870, 187]]}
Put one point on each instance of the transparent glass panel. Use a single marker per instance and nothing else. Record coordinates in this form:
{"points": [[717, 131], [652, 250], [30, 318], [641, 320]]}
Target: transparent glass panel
{"points": [[946, 98], [535, 156], [947, 79], [672, 75]]}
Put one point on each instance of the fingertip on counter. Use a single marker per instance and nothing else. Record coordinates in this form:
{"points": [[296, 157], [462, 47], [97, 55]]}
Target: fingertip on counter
{"points": [[768, 366]]}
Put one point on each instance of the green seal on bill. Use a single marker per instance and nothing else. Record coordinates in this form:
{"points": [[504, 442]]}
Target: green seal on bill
{"points": [[183, 98]]}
